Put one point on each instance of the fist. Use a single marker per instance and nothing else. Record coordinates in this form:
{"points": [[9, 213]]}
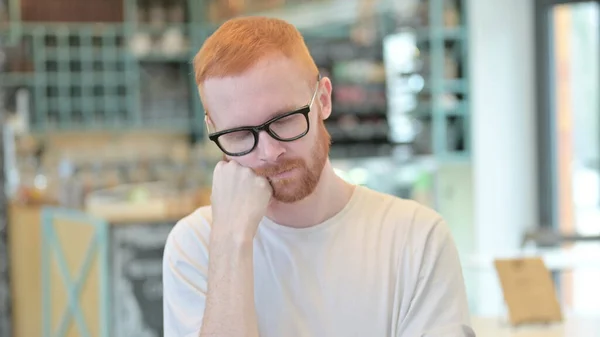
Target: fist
{"points": [[239, 200]]}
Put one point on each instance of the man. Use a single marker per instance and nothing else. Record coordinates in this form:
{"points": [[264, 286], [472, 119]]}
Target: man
{"points": [[287, 248]]}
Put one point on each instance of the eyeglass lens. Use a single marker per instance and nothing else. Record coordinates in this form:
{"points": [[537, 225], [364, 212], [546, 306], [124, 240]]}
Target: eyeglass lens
{"points": [[285, 128]]}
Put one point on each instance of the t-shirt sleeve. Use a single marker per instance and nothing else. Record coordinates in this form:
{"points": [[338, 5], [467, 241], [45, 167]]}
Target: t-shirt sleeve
{"points": [[438, 307], [185, 269]]}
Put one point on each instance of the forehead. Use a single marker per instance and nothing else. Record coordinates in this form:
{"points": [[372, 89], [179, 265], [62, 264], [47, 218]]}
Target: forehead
{"points": [[269, 88]]}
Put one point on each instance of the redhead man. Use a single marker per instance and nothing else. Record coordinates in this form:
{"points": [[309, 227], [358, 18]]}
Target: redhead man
{"points": [[287, 248]]}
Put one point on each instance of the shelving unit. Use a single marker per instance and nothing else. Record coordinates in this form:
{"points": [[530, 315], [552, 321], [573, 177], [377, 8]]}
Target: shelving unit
{"points": [[104, 76], [358, 124], [431, 81], [135, 74]]}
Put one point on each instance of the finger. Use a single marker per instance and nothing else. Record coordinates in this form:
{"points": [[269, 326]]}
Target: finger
{"points": [[261, 182], [219, 165], [265, 184], [232, 163], [217, 171]]}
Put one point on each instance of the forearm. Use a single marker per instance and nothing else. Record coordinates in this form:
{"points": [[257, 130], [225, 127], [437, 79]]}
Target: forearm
{"points": [[230, 310]]}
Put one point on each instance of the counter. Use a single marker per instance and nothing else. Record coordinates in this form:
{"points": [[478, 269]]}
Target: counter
{"points": [[571, 327], [106, 276], [73, 272]]}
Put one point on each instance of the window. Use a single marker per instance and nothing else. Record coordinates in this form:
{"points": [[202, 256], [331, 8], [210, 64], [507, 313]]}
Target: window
{"points": [[568, 83]]}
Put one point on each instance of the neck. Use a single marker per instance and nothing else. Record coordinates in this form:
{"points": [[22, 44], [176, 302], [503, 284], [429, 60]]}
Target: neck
{"points": [[329, 197]]}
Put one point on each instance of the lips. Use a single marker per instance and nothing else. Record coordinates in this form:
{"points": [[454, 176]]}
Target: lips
{"points": [[282, 169], [282, 174]]}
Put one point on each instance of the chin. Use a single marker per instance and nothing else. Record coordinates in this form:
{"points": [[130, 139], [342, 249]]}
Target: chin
{"points": [[290, 194], [285, 198]]}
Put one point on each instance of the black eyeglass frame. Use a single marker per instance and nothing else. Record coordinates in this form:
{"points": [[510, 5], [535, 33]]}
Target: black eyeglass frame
{"points": [[255, 130]]}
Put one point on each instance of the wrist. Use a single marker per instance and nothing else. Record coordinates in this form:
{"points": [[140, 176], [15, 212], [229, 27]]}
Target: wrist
{"points": [[239, 239], [230, 251]]}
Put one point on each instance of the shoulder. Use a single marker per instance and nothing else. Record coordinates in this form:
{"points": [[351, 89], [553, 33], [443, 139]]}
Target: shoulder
{"points": [[185, 274], [190, 235], [195, 223], [402, 212], [408, 218], [418, 235]]}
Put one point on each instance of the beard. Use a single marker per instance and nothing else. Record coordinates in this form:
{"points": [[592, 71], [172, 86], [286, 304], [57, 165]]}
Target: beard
{"points": [[290, 190]]}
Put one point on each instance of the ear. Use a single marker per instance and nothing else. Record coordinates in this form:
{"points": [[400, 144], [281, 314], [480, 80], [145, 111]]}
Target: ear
{"points": [[324, 97]]}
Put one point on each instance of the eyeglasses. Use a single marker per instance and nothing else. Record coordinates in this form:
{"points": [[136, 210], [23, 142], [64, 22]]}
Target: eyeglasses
{"points": [[286, 128]]}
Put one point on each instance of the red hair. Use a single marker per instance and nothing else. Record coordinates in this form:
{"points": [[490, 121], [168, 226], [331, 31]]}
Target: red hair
{"points": [[242, 42]]}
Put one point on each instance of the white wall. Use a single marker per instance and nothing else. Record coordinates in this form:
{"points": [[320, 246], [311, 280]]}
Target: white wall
{"points": [[501, 42]]}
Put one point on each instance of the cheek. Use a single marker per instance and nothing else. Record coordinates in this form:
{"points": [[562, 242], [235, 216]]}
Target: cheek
{"points": [[314, 119], [306, 145], [248, 160]]}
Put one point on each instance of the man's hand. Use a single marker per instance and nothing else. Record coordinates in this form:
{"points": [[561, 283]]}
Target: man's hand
{"points": [[239, 201]]}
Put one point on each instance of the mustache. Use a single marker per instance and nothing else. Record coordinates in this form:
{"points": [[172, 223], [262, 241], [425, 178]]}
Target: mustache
{"points": [[281, 167], [271, 170]]}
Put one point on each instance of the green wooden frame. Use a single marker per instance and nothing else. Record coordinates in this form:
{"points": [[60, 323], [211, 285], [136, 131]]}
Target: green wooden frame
{"points": [[51, 247]]}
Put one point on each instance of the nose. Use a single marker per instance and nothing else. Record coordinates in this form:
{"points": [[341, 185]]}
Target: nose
{"points": [[269, 149]]}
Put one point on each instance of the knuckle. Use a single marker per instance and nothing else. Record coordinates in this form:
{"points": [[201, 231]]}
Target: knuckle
{"points": [[242, 170], [231, 166], [261, 182], [219, 167]]}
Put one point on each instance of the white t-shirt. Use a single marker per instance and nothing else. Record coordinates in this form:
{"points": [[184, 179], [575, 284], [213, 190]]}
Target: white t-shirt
{"points": [[381, 267]]}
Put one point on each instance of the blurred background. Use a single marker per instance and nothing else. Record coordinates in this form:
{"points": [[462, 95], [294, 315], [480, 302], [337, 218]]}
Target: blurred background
{"points": [[486, 110]]}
